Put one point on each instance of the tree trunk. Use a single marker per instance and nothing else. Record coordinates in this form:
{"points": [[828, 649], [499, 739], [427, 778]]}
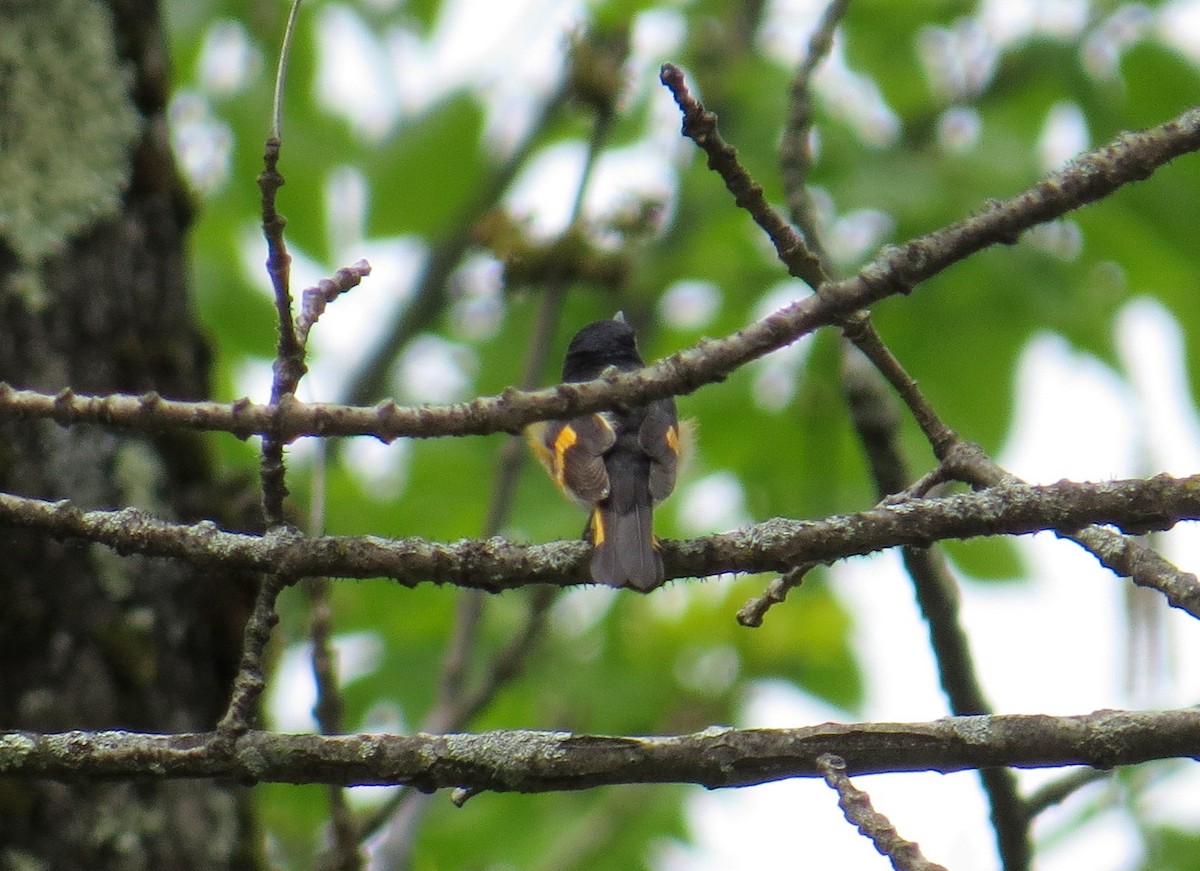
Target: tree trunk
{"points": [[94, 297]]}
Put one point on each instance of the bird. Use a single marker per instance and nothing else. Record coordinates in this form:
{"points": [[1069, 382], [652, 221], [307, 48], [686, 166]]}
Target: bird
{"points": [[618, 464]]}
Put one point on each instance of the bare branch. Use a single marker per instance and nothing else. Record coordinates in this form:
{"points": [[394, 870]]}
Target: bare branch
{"points": [[315, 299], [794, 157], [856, 805], [751, 614], [536, 761], [289, 366], [700, 125], [876, 420], [248, 685], [496, 564], [1131, 157]]}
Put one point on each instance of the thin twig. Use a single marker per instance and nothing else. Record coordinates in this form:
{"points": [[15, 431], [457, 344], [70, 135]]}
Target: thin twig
{"points": [[1058, 791], [876, 420], [860, 331], [856, 805], [289, 365], [751, 614], [700, 125], [285, 53], [455, 707], [429, 298], [250, 682], [243, 711], [314, 300], [795, 159]]}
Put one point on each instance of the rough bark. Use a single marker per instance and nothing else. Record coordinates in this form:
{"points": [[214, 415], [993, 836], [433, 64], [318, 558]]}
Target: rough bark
{"points": [[94, 296]]}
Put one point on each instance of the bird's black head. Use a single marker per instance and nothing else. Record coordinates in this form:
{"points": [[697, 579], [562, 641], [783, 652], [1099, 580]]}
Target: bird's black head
{"points": [[598, 346]]}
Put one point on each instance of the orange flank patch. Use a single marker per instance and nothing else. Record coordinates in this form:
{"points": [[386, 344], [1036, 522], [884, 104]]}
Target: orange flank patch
{"points": [[597, 528], [562, 443], [565, 439], [673, 439]]}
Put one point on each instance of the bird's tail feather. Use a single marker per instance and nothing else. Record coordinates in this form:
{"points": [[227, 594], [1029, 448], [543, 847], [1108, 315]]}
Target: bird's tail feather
{"points": [[625, 552]]}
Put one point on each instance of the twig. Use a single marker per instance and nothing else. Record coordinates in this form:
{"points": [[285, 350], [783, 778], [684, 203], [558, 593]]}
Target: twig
{"points": [[429, 298], [289, 365], [795, 159], [455, 708], [700, 126], [1057, 791], [285, 53], [751, 614], [243, 710], [242, 713], [876, 421], [248, 686], [314, 299], [539, 761], [943, 439], [856, 805]]}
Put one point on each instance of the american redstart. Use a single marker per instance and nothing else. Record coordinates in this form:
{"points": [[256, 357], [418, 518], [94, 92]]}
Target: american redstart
{"points": [[617, 463]]}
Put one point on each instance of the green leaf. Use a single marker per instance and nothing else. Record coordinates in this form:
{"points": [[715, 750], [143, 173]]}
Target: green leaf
{"points": [[424, 175], [990, 558]]}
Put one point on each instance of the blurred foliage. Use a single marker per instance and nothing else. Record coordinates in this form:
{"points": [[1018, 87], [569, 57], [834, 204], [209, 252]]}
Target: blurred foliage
{"points": [[674, 661]]}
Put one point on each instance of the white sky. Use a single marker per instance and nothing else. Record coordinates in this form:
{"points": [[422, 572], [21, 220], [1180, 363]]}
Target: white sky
{"points": [[1057, 644]]}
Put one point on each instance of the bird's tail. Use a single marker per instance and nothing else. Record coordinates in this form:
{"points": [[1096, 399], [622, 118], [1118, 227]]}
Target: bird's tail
{"points": [[625, 552]]}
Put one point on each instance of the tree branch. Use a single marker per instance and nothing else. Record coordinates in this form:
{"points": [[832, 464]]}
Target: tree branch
{"points": [[538, 761], [496, 564], [856, 806], [1129, 158], [876, 420]]}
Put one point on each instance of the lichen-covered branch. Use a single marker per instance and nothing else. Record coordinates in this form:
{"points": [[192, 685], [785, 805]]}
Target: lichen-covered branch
{"points": [[536, 761], [496, 564]]}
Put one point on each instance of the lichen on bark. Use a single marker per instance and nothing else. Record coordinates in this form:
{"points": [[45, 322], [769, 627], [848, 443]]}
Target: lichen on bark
{"points": [[67, 123]]}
